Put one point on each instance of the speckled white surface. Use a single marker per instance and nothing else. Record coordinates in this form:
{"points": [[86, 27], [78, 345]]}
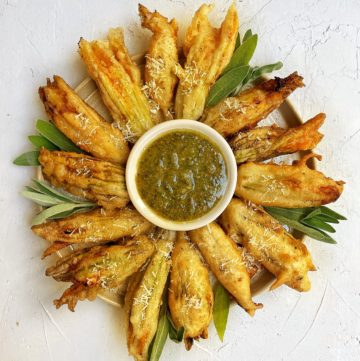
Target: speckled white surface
{"points": [[320, 39]]}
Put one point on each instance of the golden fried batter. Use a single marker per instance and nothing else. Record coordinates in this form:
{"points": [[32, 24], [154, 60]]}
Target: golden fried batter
{"points": [[100, 267], [98, 225], [249, 107], [268, 242], [143, 303], [161, 58], [207, 50], [267, 142], [117, 77], [227, 263], [191, 297], [81, 123], [288, 186], [117, 45], [84, 176]]}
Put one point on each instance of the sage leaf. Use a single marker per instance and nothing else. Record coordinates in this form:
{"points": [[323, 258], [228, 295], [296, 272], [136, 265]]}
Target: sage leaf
{"points": [[39, 141], [318, 224], [70, 213], [41, 199], [313, 213], [247, 35], [226, 84], [291, 213], [258, 71], [46, 188], [238, 41], [221, 310], [329, 212], [175, 335], [28, 159], [32, 189], [311, 232], [242, 54], [327, 219], [57, 209], [161, 335], [51, 133]]}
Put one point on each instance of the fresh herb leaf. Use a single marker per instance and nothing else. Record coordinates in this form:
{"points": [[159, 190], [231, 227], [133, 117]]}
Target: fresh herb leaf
{"points": [[41, 199], [242, 54], [327, 219], [69, 213], [255, 73], [161, 335], [175, 335], [46, 188], [28, 159], [60, 204], [231, 85], [58, 209], [39, 141], [247, 35], [226, 84], [329, 212], [311, 232], [51, 133], [221, 310], [238, 41], [258, 71], [292, 213], [318, 224], [312, 221], [313, 213]]}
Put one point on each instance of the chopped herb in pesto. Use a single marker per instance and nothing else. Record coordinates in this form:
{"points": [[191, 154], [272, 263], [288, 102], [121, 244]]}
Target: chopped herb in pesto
{"points": [[181, 175]]}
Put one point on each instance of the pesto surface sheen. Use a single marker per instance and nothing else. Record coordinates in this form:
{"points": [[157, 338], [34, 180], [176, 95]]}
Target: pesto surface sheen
{"points": [[181, 175]]}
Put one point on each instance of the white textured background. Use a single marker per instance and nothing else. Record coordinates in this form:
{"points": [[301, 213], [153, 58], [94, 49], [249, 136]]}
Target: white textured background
{"points": [[320, 39]]}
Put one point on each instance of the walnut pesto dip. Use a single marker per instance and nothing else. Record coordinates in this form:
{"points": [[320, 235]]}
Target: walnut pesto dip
{"points": [[181, 175]]}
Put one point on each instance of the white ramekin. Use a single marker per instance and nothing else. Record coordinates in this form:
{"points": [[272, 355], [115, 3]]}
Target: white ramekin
{"points": [[151, 135]]}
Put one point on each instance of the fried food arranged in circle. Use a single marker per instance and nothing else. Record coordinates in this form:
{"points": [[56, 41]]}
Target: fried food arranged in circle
{"points": [[160, 61], [98, 225], [227, 262], [191, 297], [268, 242], [144, 299], [100, 267], [119, 82], [249, 107], [288, 186], [81, 123], [207, 50], [267, 142], [85, 176]]}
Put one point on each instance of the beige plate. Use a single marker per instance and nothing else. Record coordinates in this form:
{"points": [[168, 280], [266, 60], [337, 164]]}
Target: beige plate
{"points": [[286, 116]]}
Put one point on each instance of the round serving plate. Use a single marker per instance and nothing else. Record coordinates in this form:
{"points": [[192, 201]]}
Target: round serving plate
{"points": [[285, 116]]}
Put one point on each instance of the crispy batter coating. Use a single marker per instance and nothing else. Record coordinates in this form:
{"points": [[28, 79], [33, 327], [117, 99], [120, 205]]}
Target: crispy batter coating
{"points": [[268, 242], [287, 186], [118, 78], [98, 225], [100, 267], [161, 59], [81, 123], [143, 302], [191, 297], [267, 142], [250, 106], [117, 45], [207, 50], [226, 261], [85, 176]]}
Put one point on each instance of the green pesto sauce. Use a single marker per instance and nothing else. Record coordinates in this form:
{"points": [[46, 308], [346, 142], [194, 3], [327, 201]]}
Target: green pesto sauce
{"points": [[181, 175]]}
